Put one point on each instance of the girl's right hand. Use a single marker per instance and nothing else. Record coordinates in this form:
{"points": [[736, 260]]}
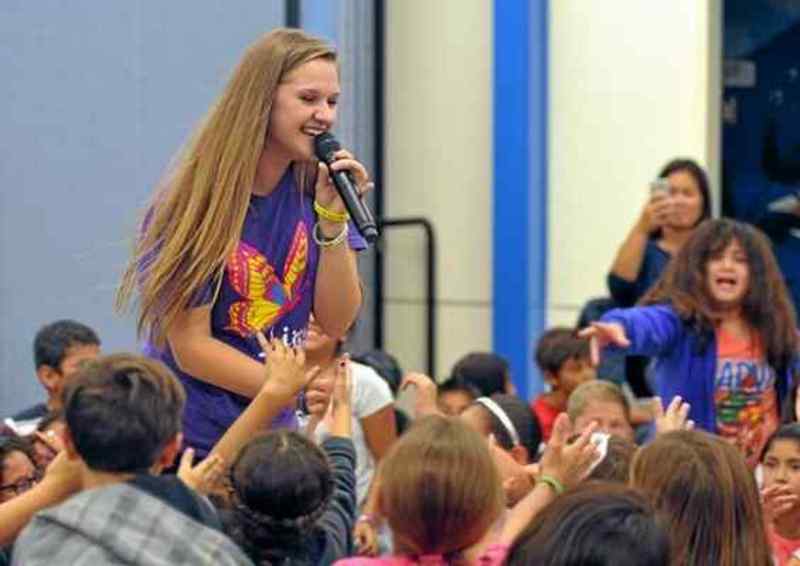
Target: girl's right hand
{"points": [[655, 213], [601, 335], [426, 393], [568, 463]]}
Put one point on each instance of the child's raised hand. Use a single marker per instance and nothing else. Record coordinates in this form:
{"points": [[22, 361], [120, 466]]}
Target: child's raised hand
{"points": [[341, 411], [568, 463], [601, 335], [343, 382], [285, 369], [676, 416], [426, 393], [203, 477]]}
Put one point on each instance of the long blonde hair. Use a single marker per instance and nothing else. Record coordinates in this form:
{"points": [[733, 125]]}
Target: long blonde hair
{"points": [[195, 221]]}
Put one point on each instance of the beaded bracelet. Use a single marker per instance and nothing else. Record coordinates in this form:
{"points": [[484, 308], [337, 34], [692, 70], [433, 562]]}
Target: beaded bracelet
{"points": [[552, 483], [329, 215], [324, 242]]}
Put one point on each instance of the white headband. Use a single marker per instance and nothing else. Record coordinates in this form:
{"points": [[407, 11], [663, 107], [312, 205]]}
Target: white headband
{"points": [[501, 415]]}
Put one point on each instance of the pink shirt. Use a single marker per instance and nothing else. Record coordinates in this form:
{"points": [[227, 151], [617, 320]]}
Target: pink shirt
{"points": [[495, 555], [782, 548]]}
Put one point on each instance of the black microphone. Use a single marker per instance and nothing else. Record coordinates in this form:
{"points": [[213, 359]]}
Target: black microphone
{"points": [[325, 145]]}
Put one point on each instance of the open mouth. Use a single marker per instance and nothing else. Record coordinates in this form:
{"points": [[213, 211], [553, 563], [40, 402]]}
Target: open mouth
{"points": [[313, 131], [726, 283]]}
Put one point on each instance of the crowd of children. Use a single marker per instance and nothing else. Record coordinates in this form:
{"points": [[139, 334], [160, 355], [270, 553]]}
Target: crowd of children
{"points": [[478, 476]]}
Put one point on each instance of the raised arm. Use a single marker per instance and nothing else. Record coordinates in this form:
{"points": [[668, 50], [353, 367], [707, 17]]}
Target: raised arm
{"points": [[649, 331], [562, 466], [283, 377], [629, 257], [339, 519]]}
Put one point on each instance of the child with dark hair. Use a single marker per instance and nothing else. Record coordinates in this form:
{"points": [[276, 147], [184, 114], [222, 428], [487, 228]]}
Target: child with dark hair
{"points": [[488, 373], [18, 475], [373, 427], [602, 524], [508, 419], [123, 415], [455, 395], [292, 502], [59, 349], [722, 331], [780, 463], [17, 467], [564, 362]]}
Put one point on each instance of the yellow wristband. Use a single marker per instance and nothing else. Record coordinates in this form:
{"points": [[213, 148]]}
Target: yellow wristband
{"points": [[331, 216], [552, 483]]}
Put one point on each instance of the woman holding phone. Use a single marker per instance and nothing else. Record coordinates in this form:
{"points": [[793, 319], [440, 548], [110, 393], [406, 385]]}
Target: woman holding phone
{"points": [[679, 200]]}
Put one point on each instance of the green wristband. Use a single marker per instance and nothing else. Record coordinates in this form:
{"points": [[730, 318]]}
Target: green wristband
{"points": [[552, 483]]}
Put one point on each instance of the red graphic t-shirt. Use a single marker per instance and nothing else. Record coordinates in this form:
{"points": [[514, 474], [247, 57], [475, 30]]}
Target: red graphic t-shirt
{"points": [[745, 395]]}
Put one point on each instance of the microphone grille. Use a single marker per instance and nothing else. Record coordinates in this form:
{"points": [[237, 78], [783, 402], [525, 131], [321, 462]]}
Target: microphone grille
{"points": [[325, 145]]}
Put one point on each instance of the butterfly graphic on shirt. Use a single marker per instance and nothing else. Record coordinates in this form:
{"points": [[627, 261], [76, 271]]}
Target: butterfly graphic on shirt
{"points": [[265, 297]]}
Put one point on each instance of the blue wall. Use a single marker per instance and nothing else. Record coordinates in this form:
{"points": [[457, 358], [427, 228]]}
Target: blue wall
{"points": [[95, 98]]}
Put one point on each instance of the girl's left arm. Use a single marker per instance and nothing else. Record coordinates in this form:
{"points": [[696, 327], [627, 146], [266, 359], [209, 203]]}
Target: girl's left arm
{"points": [[650, 330]]}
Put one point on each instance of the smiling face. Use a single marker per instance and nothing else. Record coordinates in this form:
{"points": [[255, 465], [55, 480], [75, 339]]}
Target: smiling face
{"points": [[304, 106], [728, 276]]}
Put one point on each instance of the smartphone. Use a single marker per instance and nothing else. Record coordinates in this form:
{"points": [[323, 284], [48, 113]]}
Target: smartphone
{"points": [[659, 186]]}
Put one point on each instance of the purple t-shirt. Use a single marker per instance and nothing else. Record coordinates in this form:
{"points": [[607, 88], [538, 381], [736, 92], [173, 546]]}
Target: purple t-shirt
{"points": [[268, 285]]}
